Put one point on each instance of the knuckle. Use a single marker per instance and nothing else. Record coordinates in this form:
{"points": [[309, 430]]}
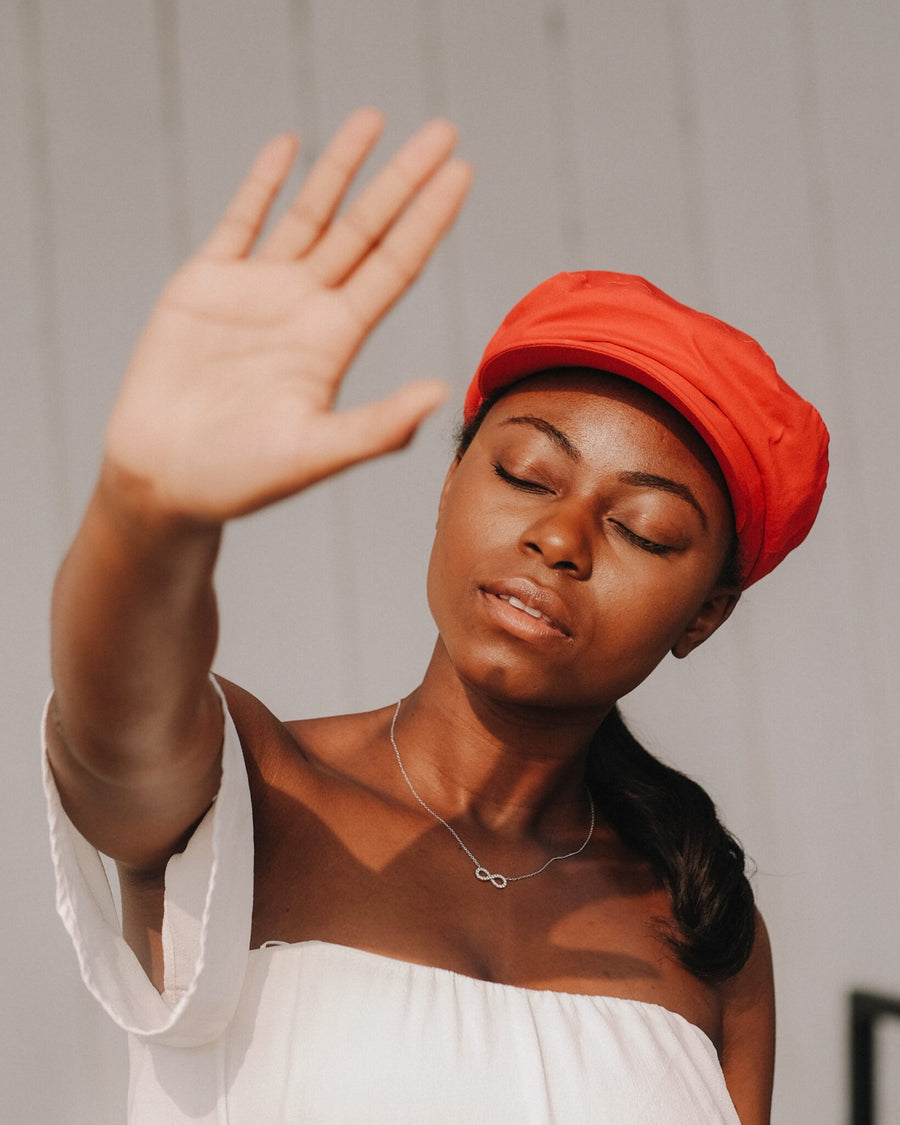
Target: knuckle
{"points": [[402, 268], [363, 227], [306, 216], [234, 221]]}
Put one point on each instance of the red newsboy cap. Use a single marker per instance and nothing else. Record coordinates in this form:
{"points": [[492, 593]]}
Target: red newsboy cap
{"points": [[770, 443]]}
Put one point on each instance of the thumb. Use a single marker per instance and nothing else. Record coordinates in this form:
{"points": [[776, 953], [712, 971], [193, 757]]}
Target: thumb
{"points": [[375, 428]]}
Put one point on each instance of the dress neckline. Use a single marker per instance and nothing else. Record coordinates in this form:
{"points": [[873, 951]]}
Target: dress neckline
{"points": [[479, 983]]}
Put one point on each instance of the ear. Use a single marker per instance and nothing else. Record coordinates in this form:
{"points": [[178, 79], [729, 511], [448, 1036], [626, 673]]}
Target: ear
{"points": [[714, 612]]}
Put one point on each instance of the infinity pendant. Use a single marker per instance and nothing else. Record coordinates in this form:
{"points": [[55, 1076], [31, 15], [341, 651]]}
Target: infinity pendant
{"points": [[499, 881]]}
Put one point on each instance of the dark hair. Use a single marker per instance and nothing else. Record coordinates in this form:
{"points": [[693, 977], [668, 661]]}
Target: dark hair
{"points": [[670, 821]]}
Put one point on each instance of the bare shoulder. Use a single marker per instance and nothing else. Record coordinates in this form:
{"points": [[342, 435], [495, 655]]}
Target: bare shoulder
{"points": [[321, 749], [748, 1032], [320, 821], [265, 739]]}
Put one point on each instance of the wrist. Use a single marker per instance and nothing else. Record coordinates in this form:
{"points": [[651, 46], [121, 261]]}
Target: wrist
{"points": [[130, 511]]}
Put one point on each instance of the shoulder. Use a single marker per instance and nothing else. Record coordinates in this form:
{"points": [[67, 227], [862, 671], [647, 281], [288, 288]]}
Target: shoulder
{"points": [[262, 735], [748, 1032], [330, 747]]}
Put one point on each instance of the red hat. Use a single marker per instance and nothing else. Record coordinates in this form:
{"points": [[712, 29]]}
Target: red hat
{"points": [[771, 444]]}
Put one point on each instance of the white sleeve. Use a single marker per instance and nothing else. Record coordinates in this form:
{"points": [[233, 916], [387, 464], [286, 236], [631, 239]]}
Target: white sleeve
{"points": [[206, 925]]}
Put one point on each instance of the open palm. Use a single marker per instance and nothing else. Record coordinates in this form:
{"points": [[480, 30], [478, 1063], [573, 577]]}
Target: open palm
{"points": [[227, 404]]}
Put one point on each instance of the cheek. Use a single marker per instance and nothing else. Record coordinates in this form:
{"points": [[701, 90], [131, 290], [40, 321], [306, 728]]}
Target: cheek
{"points": [[445, 563], [434, 579], [461, 526], [637, 625]]}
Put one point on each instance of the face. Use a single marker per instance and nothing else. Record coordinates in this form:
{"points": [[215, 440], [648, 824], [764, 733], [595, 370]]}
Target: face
{"points": [[580, 538]]}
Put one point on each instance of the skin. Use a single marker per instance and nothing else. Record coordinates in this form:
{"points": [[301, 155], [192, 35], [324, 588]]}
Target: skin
{"points": [[227, 407]]}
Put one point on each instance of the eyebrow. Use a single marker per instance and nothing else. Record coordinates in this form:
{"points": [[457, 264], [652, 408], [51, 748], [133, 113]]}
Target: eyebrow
{"points": [[635, 479], [558, 438], [664, 484]]}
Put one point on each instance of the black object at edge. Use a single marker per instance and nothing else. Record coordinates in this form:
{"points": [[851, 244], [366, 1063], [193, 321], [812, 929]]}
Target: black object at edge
{"points": [[866, 1008]]}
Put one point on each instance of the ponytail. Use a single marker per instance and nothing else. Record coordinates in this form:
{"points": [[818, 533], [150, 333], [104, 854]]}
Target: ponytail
{"points": [[670, 820]]}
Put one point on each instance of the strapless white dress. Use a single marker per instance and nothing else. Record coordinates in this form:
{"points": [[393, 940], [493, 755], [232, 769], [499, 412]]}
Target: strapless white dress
{"points": [[322, 1034]]}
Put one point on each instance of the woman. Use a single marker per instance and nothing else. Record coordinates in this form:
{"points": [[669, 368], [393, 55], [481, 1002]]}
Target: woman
{"points": [[485, 902]]}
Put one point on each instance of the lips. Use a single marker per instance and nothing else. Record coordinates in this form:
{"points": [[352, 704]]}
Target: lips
{"points": [[530, 610], [533, 601]]}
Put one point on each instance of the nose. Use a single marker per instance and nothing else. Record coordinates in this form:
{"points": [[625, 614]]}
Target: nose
{"points": [[562, 538]]}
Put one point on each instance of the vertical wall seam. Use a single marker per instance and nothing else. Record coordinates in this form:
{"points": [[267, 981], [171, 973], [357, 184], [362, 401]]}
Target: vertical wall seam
{"points": [[343, 561], [559, 90], [430, 39], [173, 129], [304, 80], [824, 249], [429, 36], [691, 151], [44, 236]]}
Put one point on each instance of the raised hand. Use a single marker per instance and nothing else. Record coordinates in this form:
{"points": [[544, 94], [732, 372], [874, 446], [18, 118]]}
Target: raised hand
{"points": [[227, 404]]}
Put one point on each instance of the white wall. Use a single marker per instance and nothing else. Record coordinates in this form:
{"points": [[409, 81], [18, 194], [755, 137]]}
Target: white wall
{"points": [[742, 156]]}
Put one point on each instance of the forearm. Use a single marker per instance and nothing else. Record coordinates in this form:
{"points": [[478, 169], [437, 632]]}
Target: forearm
{"points": [[134, 629]]}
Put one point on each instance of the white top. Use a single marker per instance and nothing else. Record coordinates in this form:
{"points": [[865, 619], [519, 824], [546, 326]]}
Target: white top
{"points": [[325, 1034]]}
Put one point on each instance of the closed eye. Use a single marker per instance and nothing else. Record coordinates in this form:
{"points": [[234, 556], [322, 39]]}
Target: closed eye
{"points": [[649, 545], [518, 482]]}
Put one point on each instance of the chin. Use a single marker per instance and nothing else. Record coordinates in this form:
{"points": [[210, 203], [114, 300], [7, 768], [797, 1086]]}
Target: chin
{"points": [[520, 687]]}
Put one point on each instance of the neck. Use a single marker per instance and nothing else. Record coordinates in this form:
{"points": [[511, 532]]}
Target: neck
{"points": [[511, 768]]}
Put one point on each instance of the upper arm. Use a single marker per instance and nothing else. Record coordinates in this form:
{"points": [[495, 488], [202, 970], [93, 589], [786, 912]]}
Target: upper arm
{"points": [[748, 1033], [141, 814]]}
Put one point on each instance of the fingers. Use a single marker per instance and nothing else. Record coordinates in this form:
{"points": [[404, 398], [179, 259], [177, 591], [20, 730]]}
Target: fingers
{"points": [[378, 427], [397, 260], [237, 230], [369, 217], [325, 186]]}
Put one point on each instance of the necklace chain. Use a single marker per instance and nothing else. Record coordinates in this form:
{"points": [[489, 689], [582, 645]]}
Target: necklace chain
{"points": [[481, 872]]}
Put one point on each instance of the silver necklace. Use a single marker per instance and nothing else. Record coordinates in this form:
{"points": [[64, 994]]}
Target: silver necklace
{"points": [[481, 872]]}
